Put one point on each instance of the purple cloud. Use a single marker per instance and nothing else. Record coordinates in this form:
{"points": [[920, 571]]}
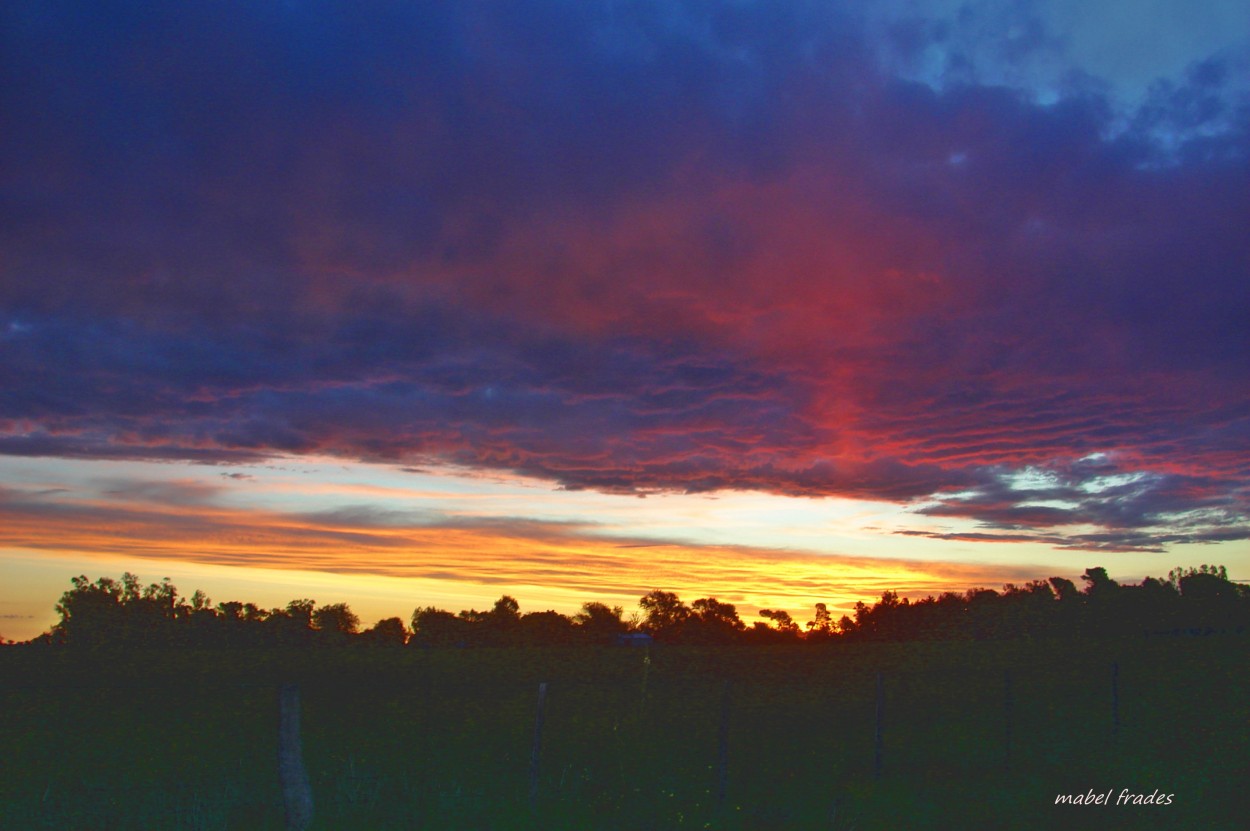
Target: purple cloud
{"points": [[680, 248]]}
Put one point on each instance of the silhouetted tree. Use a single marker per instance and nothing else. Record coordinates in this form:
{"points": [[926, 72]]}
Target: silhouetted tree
{"points": [[387, 632], [784, 628], [983, 610], [301, 610], [1099, 585], [1102, 615], [1210, 602], [821, 626], [1027, 609], [1207, 586], [547, 628], [1190, 601], [711, 621], [91, 613], [436, 627], [1179, 573], [1065, 589], [879, 621], [231, 610], [292, 625], [336, 623], [501, 626], [599, 623], [663, 614], [113, 612], [238, 624], [506, 610]]}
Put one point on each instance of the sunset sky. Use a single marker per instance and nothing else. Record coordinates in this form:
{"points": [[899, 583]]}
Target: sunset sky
{"points": [[408, 303]]}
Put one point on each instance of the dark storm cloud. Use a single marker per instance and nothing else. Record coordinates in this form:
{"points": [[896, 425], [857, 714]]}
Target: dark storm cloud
{"points": [[669, 246]]}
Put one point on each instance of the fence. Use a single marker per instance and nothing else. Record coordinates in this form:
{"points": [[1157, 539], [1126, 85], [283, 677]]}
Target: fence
{"points": [[604, 740]]}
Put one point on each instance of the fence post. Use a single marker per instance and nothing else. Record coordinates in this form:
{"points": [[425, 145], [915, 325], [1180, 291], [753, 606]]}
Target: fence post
{"points": [[646, 672], [722, 748], [1115, 701], [1008, 705], [536, 750], [296, 791], [879, 740]]}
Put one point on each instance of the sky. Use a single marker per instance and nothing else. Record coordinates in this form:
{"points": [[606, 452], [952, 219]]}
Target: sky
{"points": [[406, 304]]}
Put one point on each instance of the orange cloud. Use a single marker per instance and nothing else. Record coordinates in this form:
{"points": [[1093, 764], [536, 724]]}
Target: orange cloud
{"points": [[532, 560]]}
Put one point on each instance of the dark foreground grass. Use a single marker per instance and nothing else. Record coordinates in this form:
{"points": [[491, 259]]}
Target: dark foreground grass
{"points": [[973, 736]]}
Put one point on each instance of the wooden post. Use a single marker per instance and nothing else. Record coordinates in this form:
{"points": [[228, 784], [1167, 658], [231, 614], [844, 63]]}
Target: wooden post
{"points": [[1115, 700], [536, 750], [722, 748], [879, 740], [646, 672], [296, 791], [1008, 706]]}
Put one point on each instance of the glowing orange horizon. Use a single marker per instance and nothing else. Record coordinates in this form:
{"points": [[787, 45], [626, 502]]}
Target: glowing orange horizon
{"points": [[540, 563]]}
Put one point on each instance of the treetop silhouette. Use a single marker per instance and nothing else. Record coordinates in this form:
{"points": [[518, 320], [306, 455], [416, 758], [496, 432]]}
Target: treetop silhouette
{"points": [[1199, 600]]}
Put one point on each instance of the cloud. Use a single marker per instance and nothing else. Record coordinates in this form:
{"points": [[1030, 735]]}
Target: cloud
{"points": [[167, 492], [693, 248], [1135, 511], [517, 553]]}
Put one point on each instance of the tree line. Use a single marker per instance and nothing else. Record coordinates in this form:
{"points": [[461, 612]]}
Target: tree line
{"points": [[1189, 601]]}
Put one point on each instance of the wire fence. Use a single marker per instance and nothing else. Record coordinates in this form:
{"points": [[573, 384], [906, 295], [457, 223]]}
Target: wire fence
{"points": [[639, 738]]}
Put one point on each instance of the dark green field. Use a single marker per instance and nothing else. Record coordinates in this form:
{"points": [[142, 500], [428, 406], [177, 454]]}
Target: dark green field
{"points": [[975, 735]]}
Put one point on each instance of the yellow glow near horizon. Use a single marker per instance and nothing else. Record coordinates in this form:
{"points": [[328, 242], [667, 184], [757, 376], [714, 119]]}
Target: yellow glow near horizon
{"points": [[386, 540], [541, 574]]}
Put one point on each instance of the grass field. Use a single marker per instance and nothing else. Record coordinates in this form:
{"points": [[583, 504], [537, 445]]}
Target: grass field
{"points": [[973, 735]]}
